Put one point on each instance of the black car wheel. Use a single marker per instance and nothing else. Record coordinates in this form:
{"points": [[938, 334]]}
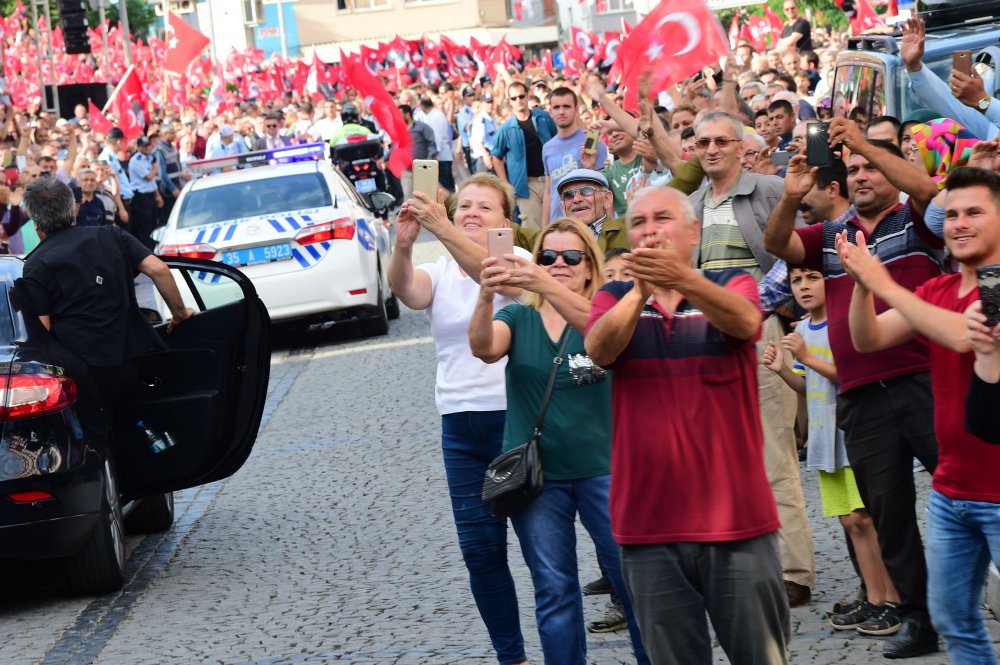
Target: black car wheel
{"points": [[378, 324], [100, 566], [392, 307], [153, 514]]}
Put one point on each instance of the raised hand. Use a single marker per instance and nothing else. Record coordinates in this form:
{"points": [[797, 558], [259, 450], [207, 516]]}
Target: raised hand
{"points": [[799, 177], [794, 343], [859, 263], [912, 45]]}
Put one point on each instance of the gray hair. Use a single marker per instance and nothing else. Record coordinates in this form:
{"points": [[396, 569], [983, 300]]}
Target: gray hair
{"points": [[721, 116], [687, 210], [86, 171], [756, 85], [50, 204], [758, 139]]}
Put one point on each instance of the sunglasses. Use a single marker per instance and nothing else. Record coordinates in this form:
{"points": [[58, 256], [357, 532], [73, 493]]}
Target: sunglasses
{"points": [[570, 194], [572, 257], [270, 126], [722, 142], [514, 98]]}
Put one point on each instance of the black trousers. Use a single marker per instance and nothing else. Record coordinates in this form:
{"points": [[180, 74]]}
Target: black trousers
{"points": [[886, 424], [445, 176], [142, 218]]}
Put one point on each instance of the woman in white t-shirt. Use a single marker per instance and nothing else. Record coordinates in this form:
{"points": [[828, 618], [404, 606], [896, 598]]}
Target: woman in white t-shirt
{"points": [[470, 394]]}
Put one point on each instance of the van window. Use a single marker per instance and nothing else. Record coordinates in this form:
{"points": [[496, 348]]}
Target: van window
{"points": [[859, 85], [941, 66]]}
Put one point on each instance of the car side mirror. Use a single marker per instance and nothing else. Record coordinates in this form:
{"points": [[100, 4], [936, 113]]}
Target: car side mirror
{"points": [[381, 200]]}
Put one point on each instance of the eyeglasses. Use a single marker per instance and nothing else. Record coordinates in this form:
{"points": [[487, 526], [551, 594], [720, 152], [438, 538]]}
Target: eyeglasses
{"points": [[271, 126], [751, 153], [721, 141], [572, 257], [570, 194], [514, 98]]}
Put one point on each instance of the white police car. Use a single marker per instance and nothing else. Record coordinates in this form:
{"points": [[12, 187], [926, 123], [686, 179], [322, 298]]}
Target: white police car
{"points": [[297, 229]]}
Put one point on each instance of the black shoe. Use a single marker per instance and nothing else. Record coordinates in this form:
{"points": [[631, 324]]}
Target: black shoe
{"points": [[885, 620], [912, 640], [798, 594], [612, 620], [857, 615], [598, 587]]}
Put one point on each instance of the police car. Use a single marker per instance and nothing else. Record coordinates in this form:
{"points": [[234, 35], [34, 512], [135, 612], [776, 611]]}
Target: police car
{"points": [[296, 228]]}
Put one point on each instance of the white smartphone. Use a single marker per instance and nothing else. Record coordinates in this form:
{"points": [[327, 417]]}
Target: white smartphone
{"points": [[425, 177], [500, 242]]}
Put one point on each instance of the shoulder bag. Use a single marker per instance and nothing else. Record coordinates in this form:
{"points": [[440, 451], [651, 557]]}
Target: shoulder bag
{"points": [[514, 479]]}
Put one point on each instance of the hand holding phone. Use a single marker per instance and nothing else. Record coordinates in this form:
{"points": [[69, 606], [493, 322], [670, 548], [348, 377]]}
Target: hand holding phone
{"points": [[962, 61], [425, 177], [498, 243], [989, 292], [818, 151], [590, 143], [781, 157]]}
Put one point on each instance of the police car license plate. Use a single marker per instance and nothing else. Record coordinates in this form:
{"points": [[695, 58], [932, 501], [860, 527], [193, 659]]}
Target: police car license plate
{"points": [[365, 186], [267, 254]]}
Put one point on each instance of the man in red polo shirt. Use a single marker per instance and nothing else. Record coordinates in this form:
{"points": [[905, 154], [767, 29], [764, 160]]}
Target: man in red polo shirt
{"points": [[691, 505], [885, 406], [963, 514]]}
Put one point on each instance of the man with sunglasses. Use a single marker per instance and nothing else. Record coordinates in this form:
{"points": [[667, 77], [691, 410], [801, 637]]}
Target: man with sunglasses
{"points": [[272, 138], [733, 208], [517, 153], [586, 197]]}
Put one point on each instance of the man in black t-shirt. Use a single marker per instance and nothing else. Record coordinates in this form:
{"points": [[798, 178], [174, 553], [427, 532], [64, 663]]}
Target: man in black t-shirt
{"points": [[79, 283], [797, 34]]}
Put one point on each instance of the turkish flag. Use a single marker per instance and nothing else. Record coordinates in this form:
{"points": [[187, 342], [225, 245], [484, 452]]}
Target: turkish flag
{"points": [[777, 25], [184, 43], [754, 30], [216, 102], [127, 102], [98, 120], [676, 39], [386, 112], [734, 30], [866, 18]]}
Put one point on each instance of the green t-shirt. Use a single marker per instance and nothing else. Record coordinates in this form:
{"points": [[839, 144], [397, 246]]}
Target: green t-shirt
{"points": [[576, 435], [618, 175]]}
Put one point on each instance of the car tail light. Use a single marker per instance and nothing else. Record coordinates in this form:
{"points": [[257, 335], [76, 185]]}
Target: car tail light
{"points": [[199, 251], [31, 496], [30, 395], [338, 229]]}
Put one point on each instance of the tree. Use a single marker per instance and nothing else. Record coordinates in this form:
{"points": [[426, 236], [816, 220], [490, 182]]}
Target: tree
{"points": [[825, 13], [141, 16]]}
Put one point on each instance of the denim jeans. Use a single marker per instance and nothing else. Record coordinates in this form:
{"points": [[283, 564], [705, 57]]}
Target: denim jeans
{"points": [[547, 531], [469, 442], [961, 538]]}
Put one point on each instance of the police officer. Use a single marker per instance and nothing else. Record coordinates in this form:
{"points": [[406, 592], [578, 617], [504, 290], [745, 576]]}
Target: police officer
{"points": [[143, 172], [114, 140], [171, 176]]}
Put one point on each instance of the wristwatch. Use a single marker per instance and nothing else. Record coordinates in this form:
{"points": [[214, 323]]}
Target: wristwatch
{"points": [[983, 103]]}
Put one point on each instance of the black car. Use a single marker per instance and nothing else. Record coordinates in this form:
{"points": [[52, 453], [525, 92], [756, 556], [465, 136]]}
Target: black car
{"points": [[192, 418]]}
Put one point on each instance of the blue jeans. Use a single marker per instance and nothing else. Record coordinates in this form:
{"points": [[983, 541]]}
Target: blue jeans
{"points": [[547, 531], [961, 538], [469, 442]]}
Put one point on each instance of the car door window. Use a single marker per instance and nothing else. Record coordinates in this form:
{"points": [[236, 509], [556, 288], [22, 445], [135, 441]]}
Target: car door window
{"points": [[202, 290]]}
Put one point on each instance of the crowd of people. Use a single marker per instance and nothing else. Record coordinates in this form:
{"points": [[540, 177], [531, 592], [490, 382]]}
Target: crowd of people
{"points": [[713, 304]]}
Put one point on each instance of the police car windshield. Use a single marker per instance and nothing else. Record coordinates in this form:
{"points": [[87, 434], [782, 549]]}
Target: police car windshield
{"points": [[254, 198]]}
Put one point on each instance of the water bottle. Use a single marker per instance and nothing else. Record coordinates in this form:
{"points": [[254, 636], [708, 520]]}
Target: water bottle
{"points": [[156, 443]]}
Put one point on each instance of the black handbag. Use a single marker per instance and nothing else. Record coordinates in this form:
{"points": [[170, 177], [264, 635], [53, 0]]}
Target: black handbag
{"points": [[514, 479]]}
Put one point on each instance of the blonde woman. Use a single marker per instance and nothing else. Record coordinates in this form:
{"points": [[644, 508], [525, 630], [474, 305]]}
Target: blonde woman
{"points": [[576, 437]]}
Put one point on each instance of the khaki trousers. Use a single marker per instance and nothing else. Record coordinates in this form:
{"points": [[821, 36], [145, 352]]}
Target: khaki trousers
{"points": [[531, 207], [777, 415]]}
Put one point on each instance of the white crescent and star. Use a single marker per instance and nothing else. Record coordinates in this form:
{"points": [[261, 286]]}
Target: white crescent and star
{"points": [[690, 26]]}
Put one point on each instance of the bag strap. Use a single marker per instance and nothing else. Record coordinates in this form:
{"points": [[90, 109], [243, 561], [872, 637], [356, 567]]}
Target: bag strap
{"points": [[556, 362]]}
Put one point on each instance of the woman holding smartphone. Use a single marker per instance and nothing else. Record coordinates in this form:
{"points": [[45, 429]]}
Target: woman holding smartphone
{"points": [[575, 441], [469, 393]]}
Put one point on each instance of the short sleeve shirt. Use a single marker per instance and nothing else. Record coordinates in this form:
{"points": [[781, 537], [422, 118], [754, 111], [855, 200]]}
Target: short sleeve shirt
{"points": [[909, 252], [576, 435], [82, 278], [802, 27], [687, 448]]}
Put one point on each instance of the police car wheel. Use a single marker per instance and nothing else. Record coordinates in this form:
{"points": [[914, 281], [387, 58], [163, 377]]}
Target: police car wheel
{"points": [[378, 324]]}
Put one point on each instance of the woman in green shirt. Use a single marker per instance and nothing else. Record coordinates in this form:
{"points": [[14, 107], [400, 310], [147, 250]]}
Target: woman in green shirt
{"points": [[576, 436]]}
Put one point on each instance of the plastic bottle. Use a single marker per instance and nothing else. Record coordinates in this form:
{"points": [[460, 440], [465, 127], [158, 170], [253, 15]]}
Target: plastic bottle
{"points": [[156, 443]]}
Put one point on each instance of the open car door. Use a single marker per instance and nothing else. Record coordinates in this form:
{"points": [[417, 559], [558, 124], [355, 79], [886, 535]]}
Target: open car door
{"points": [[202, 398]]}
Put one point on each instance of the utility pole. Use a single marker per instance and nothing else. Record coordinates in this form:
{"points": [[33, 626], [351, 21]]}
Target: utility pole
{"points": [[281, 29], [107, 52], [126, 43]]}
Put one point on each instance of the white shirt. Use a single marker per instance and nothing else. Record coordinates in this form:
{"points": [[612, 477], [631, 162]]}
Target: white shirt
{"points": [[324, 129], [438, 122], [464, 382]]}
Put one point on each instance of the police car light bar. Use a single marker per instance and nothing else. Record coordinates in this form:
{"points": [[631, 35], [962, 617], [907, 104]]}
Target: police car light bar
{"points": [[297, 153]]}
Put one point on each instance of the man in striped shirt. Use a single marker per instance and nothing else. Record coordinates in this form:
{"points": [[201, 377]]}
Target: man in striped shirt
{"points": [[733, 208], [885, 406]]}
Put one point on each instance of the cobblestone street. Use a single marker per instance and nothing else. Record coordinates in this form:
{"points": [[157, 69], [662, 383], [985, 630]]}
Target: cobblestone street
{"points": [[335, 542]]}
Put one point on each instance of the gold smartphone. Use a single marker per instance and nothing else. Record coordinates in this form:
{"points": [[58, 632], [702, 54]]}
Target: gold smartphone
{"points": [[425, 177], [500, 242]]}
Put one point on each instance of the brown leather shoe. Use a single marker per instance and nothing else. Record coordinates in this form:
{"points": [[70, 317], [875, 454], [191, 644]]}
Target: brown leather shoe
{"points": [[797, 594]]}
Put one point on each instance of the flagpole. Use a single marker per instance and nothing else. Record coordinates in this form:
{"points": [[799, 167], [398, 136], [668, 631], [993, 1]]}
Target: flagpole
{"points": [[104, 40], [127, 42], [281, 29]]}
